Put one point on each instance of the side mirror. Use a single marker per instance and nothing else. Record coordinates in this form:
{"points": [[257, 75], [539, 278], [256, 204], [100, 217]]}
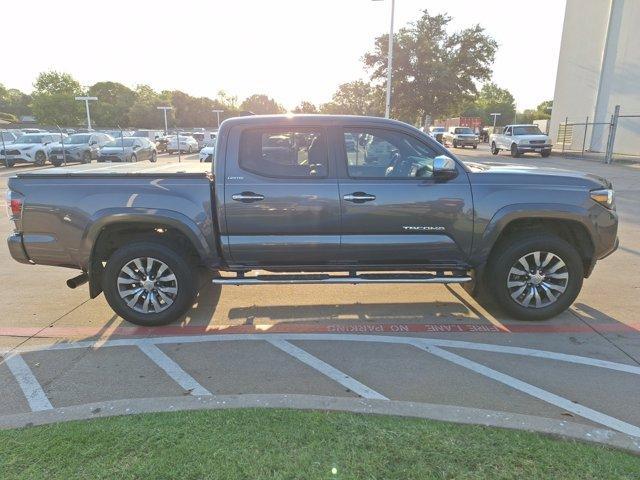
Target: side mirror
{"points": [[444, 168]]}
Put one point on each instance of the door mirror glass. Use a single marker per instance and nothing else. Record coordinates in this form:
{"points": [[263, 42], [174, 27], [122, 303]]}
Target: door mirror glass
{"points": [[444, 168]]}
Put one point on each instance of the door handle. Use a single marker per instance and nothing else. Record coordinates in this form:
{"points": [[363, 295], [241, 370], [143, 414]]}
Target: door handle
{"points": [[247, 197], [359, 197]]}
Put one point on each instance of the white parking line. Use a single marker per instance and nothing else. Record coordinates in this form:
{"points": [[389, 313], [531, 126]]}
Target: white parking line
{"points": [[30, 386], [532, 390], [326, 369], [172, 369]]}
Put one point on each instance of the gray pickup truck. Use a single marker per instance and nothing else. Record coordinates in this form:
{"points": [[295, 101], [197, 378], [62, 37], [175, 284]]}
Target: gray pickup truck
{"points": [[300, 198]]}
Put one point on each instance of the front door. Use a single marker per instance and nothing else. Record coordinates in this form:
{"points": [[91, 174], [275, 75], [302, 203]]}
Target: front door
{"points": [[393, 211], [281, 197]]}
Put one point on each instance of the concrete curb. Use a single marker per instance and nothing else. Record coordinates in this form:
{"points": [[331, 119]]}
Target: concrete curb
{"points": [[462, 415]]}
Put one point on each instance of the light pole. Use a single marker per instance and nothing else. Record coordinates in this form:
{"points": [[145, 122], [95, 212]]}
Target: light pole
{"points": [[218, 112], [387, 109], [86, 104], [166, 128], [495, 116]]}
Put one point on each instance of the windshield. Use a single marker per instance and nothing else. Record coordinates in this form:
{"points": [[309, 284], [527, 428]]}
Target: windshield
{"points": [[438, 129], [527, 130], [141, 134], [30, 139], [118, 143], [464, 130], [77, 139]]}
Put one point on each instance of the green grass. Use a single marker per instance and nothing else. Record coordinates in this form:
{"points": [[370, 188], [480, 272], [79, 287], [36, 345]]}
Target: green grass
{"points": [[279, 444]]}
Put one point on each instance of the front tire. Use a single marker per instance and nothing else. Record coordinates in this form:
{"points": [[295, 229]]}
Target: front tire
{"points": [[494, 149], [149, 283], [545, 153], [154, 157], [40, 158], [515, 153], [535, 275], [134, 158], [86, 157]]}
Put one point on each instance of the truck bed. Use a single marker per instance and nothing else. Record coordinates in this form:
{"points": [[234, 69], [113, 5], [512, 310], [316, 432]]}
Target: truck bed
{"points": [[141, 169]]}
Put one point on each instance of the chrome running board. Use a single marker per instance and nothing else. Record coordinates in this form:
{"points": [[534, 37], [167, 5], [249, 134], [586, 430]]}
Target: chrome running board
{"points": [[348, 279]]}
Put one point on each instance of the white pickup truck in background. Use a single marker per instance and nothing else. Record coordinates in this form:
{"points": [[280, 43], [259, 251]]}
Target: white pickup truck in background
{"points": [[519, 139]]}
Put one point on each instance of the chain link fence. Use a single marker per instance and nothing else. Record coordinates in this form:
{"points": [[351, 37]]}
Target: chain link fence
{"points": [[572, 137]]}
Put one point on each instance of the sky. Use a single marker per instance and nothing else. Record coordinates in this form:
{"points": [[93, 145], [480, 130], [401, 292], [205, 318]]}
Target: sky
{"points": [[291, 50]]}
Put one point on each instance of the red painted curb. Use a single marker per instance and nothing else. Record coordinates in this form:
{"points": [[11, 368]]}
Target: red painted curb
{"points": [[176, 330]]}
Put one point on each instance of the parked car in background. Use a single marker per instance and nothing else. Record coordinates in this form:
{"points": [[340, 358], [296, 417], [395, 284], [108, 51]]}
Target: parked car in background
{"points": [[118, 133], [28, 148], [460, 137], [129, 149], [519, 139], [33, 130], [208, 152], [437, 133], [7, 137], [152, 135], [199, 137], [80, 147], [161, 144], [186, 144]]}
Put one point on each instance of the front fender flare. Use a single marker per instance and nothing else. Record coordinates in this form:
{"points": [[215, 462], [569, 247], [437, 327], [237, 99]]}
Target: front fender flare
{"points": [[485, 240]]}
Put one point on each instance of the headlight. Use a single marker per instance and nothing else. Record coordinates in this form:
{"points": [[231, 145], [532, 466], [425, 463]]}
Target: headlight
{"points": [[603, 196]]}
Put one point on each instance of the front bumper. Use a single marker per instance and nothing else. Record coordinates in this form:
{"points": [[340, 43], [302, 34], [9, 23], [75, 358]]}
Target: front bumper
{"points": [[465, 141], [533, 147], [16, 248], [112, 158]]}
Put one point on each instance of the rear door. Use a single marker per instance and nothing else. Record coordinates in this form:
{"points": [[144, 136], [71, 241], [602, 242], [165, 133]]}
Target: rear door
{"points": [[393, 211], [281, 197]]}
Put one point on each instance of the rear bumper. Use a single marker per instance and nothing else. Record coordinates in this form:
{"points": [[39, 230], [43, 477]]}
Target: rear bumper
{"points": [[16, 248]]}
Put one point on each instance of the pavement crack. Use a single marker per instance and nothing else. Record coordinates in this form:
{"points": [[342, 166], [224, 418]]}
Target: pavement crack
{"points": [[49, 325], [604, 337]]}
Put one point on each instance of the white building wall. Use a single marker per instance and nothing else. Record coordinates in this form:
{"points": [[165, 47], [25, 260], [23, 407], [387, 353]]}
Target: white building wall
{"points": [[598, 68]]}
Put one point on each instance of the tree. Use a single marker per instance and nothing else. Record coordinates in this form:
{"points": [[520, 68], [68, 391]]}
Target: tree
{"points": [[14, 102], [114, 102], [492, 99], [355, 98], [435, 72], [543, 110], [305, 107], [261, 105], [144, 112], [54, 99]]}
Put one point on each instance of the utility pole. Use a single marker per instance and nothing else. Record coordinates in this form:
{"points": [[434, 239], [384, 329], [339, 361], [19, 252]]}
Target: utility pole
{"points": [[86, 101], [166, 128], [217, 112], [387, 110]]}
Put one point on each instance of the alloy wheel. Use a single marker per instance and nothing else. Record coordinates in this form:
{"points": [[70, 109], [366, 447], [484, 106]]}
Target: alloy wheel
{"points": [[537, 279], [147, 285]]}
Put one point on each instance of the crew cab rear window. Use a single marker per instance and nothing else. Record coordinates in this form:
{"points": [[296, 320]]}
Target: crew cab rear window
{"points": [[286, 153]]}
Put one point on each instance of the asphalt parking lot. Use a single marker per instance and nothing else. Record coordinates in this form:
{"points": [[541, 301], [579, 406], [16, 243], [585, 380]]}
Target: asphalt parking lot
{"points": [[414, 347]]}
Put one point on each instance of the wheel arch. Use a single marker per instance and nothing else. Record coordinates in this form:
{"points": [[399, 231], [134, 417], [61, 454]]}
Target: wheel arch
{"points": [[566, 221], [112, 229]]}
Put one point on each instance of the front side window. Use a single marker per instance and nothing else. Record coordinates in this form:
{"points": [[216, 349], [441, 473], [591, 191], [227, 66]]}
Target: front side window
{"points": [[287, 153], [373, 153]]}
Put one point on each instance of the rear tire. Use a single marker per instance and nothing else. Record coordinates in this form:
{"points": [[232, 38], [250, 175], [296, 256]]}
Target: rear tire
{"points": [[494, 149], [510, 251], [154, 157], [177, 264], [9, 163], [134, 158], [86, 157]]}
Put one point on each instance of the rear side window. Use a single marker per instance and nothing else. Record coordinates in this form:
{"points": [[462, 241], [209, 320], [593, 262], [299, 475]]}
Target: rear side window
{"points": [[284, 153]]}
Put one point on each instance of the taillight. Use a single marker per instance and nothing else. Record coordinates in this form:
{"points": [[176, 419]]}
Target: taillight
{"points": [[15, 202]]}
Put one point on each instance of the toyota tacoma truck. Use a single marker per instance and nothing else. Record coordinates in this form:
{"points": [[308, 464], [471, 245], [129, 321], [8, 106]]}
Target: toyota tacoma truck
{"points": [[519, 139], [289, 201]]}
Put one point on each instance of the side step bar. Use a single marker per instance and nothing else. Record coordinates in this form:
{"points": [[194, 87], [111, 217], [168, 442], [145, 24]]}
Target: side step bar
{"points": [[348, 279]]}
